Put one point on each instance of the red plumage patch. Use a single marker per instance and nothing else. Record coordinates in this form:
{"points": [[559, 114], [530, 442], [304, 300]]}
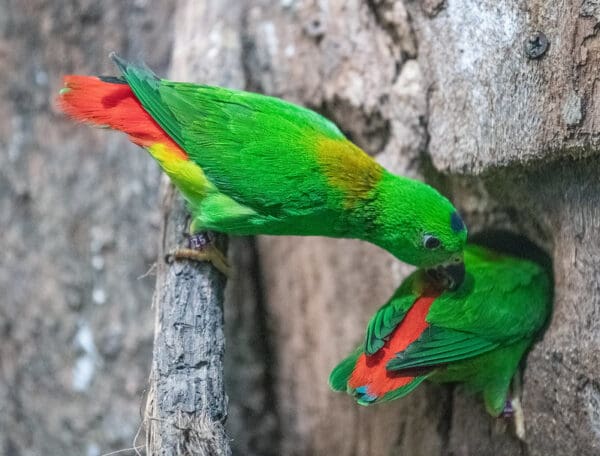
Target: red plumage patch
{"points": [[371, 370], [90, 99]]}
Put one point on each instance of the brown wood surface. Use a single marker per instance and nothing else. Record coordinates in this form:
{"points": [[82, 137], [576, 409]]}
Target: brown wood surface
{"points": [[187, 406], [79, 231], [440, 90]]}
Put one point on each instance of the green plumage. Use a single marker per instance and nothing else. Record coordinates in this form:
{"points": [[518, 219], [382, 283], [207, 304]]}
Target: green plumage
{"points": [[271, 167], [475, 335]]}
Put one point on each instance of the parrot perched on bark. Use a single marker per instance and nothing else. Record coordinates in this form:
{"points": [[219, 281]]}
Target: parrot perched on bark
{"points": [[252, 164], [476, 334]]}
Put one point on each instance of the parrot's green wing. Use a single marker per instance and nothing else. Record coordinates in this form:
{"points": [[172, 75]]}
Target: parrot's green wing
{"points": [[385, 320], [507, 303], [440, 346], [338, 379], [273, 157]]}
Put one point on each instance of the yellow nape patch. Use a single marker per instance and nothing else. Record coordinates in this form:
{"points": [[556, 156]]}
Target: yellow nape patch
{"points": [[185, 174], [348, 169]]}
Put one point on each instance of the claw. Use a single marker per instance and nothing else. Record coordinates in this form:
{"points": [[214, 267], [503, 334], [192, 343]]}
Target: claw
{"points": [[201, 248], [508, 410]]}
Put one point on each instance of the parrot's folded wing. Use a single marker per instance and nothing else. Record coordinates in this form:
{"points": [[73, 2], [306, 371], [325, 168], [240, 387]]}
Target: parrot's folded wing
{"points": [[385, 321], [438, 346], [267, 154]]}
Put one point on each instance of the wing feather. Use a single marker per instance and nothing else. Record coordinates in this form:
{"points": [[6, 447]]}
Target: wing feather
{"points": [[267, 154]]}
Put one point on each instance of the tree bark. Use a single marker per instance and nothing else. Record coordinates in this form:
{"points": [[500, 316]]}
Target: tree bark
{"points": [[446, 91], [187, 405], [519, 75], [526, 142], [79, 224]]}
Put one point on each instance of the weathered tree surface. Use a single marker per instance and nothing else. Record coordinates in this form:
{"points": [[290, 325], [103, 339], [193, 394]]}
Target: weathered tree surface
{"points": [[448, 89], [443, 90], [187, 405], [79, 227], [520, 75], [187, 409], [526, 132]]}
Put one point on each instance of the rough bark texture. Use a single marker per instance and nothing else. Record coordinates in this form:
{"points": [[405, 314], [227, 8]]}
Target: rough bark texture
{"points": [[507, 131], [79, 225], [512, 108], [439, 90], [525, 127], [187, 405]]}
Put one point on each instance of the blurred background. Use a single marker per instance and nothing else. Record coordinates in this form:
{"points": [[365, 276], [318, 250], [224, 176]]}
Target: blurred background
{"points": [[436, 90]]}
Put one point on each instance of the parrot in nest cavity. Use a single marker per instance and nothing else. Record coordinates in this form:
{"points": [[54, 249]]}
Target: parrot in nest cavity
{"points": [[475, 335], [252, 164]]}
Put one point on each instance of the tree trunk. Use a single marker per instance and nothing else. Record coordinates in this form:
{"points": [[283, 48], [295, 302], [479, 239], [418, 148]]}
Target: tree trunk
{"points": [[187, 405], [522, 79], [466, 95], [79, 229]]}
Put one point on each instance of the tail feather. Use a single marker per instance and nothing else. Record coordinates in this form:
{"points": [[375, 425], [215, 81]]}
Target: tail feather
{"points": [[379, 385], [338, 379], [109, 102], [368, 378]]}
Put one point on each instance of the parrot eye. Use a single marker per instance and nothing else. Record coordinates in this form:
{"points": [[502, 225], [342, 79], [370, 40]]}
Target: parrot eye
{"points": [[431, 242]]}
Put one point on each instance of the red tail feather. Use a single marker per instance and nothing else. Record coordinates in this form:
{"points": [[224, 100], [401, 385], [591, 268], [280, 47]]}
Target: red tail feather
{"points": [[90, 99], [371, 370]]}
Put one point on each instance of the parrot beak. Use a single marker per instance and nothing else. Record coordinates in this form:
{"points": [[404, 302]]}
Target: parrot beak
{"points": [[449, 275]]}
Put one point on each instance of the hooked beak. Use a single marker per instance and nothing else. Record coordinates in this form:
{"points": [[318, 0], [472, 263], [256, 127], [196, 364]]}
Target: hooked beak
{"points": [[449, 275]]}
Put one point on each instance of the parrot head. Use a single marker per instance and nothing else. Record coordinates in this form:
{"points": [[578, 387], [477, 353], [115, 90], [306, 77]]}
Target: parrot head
{"points": [[426, 232]]}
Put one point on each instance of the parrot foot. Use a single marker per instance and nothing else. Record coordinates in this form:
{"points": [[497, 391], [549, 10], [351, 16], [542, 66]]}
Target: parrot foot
{"points": [[201, 248]]}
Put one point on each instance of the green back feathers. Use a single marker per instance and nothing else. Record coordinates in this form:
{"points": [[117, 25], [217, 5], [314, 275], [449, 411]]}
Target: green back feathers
{"points": [[502, 301], [385, 320], [503, 297], [277, 158], [285, 169], [439, 346]]}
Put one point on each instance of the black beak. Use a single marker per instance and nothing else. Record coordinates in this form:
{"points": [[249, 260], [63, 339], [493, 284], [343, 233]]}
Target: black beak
{"points": [[449, 276], [456, 275]]}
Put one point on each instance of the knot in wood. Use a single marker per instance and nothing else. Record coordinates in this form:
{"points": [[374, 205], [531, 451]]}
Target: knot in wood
{"points": [[316, 27], [536, 45]]}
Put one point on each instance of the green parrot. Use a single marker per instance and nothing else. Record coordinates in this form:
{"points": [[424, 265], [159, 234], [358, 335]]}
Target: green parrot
{"points": [[251, 164], [475, 335]]}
